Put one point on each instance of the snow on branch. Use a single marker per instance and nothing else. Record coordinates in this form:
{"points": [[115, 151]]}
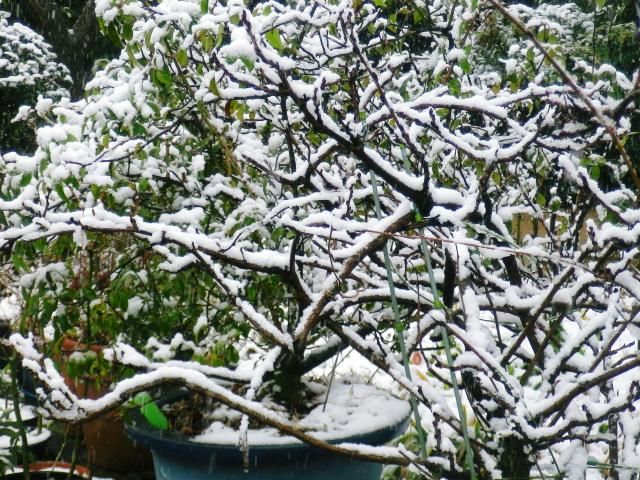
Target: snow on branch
{"points": [[215, 184]]}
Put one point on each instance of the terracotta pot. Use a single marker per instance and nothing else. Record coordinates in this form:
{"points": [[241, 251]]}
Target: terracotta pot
{"points": [[108, 445]]}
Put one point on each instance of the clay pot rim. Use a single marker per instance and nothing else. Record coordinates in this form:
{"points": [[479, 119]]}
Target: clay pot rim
{"points": [[55, 467], [70, 345]]}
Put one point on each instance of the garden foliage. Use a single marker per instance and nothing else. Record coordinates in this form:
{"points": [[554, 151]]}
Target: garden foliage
{"points": [[256, 171]]}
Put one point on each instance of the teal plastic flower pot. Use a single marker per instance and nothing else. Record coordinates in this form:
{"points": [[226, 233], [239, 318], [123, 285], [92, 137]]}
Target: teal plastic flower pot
{"points": [[175, 457]]}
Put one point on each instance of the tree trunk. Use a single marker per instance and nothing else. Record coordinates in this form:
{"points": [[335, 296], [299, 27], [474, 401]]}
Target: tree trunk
{"points": [[514, 462]]}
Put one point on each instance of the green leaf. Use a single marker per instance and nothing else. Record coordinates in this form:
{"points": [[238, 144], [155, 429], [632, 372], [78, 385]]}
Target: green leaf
{"points": [[204, 6], [161, 77], [60, 191], [273, 37], [164, 76], [213, 87], [119, 299], [143, 185], [25, 179], [252, 293], [403, 90], [151, 412], [206, 40], [131, 56], [154, 106], [220, 35], [464, 64], [147, 39], [127, 31], [139, 129], [231, 355], [454, 86], [531, 55], [247, 62], [278, 234], [112, 33], [18, 262], [182, 58], [40, 244], [88, 294]]}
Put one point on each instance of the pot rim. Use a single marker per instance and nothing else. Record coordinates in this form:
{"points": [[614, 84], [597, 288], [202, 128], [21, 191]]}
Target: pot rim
{"points": [[53, 467], [175, 443]]}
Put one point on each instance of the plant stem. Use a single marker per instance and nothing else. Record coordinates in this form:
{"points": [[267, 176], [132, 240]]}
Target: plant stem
{"points": [[398, 323], [74, 454], [15, 394], [333, 374], [454, 381]]}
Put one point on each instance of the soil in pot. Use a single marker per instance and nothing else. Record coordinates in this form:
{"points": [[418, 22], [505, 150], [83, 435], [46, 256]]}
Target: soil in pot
{"points": [[353, 414]]}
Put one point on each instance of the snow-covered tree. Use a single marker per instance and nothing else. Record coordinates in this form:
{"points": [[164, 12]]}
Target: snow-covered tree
{"points": [[72, 30], [28, 67], [372, 175]]}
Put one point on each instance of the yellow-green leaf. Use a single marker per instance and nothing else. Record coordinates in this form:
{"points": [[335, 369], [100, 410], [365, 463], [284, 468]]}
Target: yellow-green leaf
{"points": [[220, 35], [273, 37], [182, 58], [206, 40]]}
